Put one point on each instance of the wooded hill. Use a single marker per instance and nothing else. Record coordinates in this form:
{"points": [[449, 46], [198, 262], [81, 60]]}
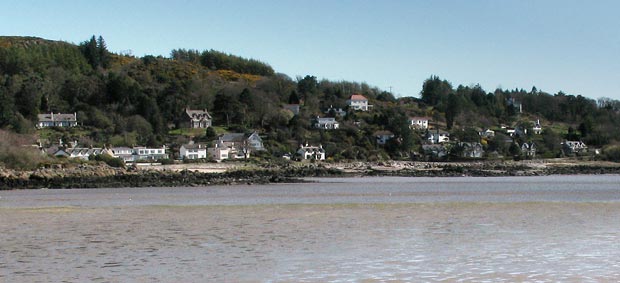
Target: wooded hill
{"points": [[124, 100]]}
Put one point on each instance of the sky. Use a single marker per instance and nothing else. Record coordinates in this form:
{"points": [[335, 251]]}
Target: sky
{"points": [[554, 45]]}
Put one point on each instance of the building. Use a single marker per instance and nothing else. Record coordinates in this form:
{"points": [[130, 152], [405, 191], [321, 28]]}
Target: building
{"points": [[198, 118], [336, 111], [537, 129], [143, 153], [438, 136], [383, 136], [418, 123], [488, 133], [311, 152], [193, 151], [358, 102], [470, 149], [434, 151], [574, 147], [327, 123], [124, 153], [83, 153], [528, 150], [57, 120], [236, 146]]}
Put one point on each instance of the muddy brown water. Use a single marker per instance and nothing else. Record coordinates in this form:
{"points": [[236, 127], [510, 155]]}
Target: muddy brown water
{"points": [[513, 229]]}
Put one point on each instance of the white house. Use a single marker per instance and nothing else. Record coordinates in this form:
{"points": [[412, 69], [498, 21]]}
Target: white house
{"points": [[358, 102], [193, 151], [57, 120], [418, 122], [488, 133], [83, 153], [124, 153], [438, 136], [311, 152], [149, 153], [528, 149], [327, 123], [383, 136], [574, 147], [236, 146], [198, 118]]}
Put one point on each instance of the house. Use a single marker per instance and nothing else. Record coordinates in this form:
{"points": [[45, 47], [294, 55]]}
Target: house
{"points": [[143, 153], [83, 153], [124, 153], [528, 150], [337, 111], [574, 147], [418, 123], [293, 108], [537, 129], [327, 123], [434, 151], [219, 153], [358, 102], [470, 149], [57, 120], [311, 152], [193, 151], [488, 133], [236, 146], [198, 118], [438, 136], [383, 136], [236, 140]]}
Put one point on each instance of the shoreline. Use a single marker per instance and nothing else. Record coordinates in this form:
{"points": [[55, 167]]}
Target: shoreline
{"points": [[209, 174]]}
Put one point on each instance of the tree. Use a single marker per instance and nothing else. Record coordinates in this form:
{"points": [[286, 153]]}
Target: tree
{"points": [[453, 109]]}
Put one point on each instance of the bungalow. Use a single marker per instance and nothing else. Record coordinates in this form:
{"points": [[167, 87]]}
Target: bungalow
{"points": [[57, 120], [83, 153], [193, 151], [327, 123], [198, 118], [383, 136], [311, 152], [438, 136], [358, 102], [418, 122], [574, 147]]}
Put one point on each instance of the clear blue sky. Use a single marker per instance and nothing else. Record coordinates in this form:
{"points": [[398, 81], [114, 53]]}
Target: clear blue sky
{"points": [[573, 46]]}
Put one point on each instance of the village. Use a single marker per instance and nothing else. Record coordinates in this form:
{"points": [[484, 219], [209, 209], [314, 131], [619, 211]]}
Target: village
{"points": [[437, 144]]}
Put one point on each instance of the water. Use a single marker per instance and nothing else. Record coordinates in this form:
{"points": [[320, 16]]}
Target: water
{"points": [[523, 229]]}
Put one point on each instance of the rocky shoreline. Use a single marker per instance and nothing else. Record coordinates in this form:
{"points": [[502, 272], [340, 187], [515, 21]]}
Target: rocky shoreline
{"points": [[100, 175]]}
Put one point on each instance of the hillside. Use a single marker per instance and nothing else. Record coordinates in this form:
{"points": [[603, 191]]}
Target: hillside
{"points": [[123, 100]]}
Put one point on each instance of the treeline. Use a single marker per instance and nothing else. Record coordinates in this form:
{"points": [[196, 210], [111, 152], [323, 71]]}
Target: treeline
{"points": [[593, 121], [123, 100], [215, 60]]}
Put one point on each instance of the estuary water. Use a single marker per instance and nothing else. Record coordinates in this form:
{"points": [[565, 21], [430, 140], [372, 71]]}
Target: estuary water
{"points": [[506, 229]]}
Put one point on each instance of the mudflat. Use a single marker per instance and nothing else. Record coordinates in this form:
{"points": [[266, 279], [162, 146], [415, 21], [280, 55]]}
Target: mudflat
{"points": [[364, 229]]}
